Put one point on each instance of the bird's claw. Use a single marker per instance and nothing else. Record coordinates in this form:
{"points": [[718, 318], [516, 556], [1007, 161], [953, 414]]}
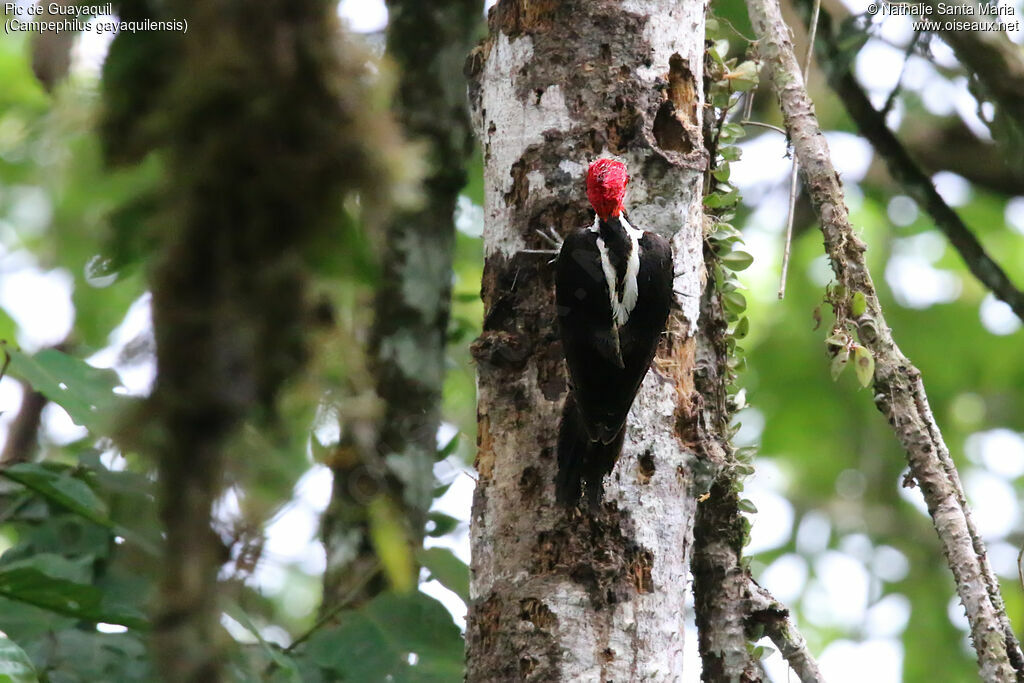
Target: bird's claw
{"points": [[550, 236]]}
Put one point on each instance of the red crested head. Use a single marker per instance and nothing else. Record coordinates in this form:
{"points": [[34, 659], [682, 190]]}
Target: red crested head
{"points": [[606, 187]]}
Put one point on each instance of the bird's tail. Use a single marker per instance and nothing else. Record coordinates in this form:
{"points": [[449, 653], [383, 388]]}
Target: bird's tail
{"points": [[582, 460]]}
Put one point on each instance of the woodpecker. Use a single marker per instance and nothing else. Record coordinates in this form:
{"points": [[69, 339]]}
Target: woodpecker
{"points": [[613, 290]]}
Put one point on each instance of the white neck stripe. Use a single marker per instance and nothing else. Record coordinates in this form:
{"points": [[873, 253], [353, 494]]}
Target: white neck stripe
{"points": [[621, 307]]}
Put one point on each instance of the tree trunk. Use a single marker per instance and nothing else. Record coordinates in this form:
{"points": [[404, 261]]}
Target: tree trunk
{"points": [[563, 594], [427, 41]]}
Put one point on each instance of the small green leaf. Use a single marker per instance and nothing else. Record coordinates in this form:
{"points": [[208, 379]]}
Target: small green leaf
{"points": [[15, 665], [35, 581], [57, 484], [717, 200], [839, 363], [443, 524], [725, 231], [864, 365], [735, 302], [743, 469], [731, 132], [85, 392], [449, 448], [742, 328], [746, 505], [446, 568], [745, 454], [285, 663], [743, 77], [722, 173], [737, 260], [858, 304], [837, 340], [389, 539], [730, 153]]}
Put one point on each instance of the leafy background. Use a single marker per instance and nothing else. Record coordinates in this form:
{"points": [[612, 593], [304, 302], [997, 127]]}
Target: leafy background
{"points": [[837, 537]]}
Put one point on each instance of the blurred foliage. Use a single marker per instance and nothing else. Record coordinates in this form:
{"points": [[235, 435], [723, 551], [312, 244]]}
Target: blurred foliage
{"points": [[78, 528], [79, 535]]}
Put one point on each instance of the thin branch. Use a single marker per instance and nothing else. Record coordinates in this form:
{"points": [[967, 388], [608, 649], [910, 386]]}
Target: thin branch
{"points": [[24, 431], [904, 169], [330, 615], [796, 164], [765, 610], [990, 56], [898, 390], [763, 125], [894, 93]]}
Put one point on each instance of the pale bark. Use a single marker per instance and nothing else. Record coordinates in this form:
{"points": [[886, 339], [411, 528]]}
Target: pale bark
{"points": [[898, 389], [774, 616], [558, 594]]}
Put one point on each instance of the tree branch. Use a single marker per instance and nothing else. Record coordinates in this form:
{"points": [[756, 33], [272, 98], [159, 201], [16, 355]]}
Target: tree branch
{"points": [[406, 355], [721, 587], [904, 169], [24, 431], [899, 391], [765, 610], [992, 58]]}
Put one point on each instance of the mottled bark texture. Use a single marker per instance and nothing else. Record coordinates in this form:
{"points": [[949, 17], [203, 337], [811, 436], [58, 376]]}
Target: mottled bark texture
{"points": [[764, 610], [898, 389], [262, 115], [428, 42], [570, 595], [730, 609]]}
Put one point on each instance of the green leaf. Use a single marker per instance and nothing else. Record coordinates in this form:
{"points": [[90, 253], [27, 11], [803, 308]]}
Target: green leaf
{"points": [[34, 581], [743, 77], [725, 232], [743, 469], [285, 663], [735, 302], [839, 340], [722, 173], [745, 454], [389, 539], [15, 666], [730, 153], [731, 132], [863, 365], [57, 484], [717, 200], [85, 392], [737, 260], [443, 524], [448, 569], [374, 642], [746, 505], [742, 328], [839, 364], [449, 448], [858, 304], [8, 328]]}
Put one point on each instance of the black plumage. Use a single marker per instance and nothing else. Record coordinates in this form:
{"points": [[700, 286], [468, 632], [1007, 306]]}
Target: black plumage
{"points": [[607, 361]]}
